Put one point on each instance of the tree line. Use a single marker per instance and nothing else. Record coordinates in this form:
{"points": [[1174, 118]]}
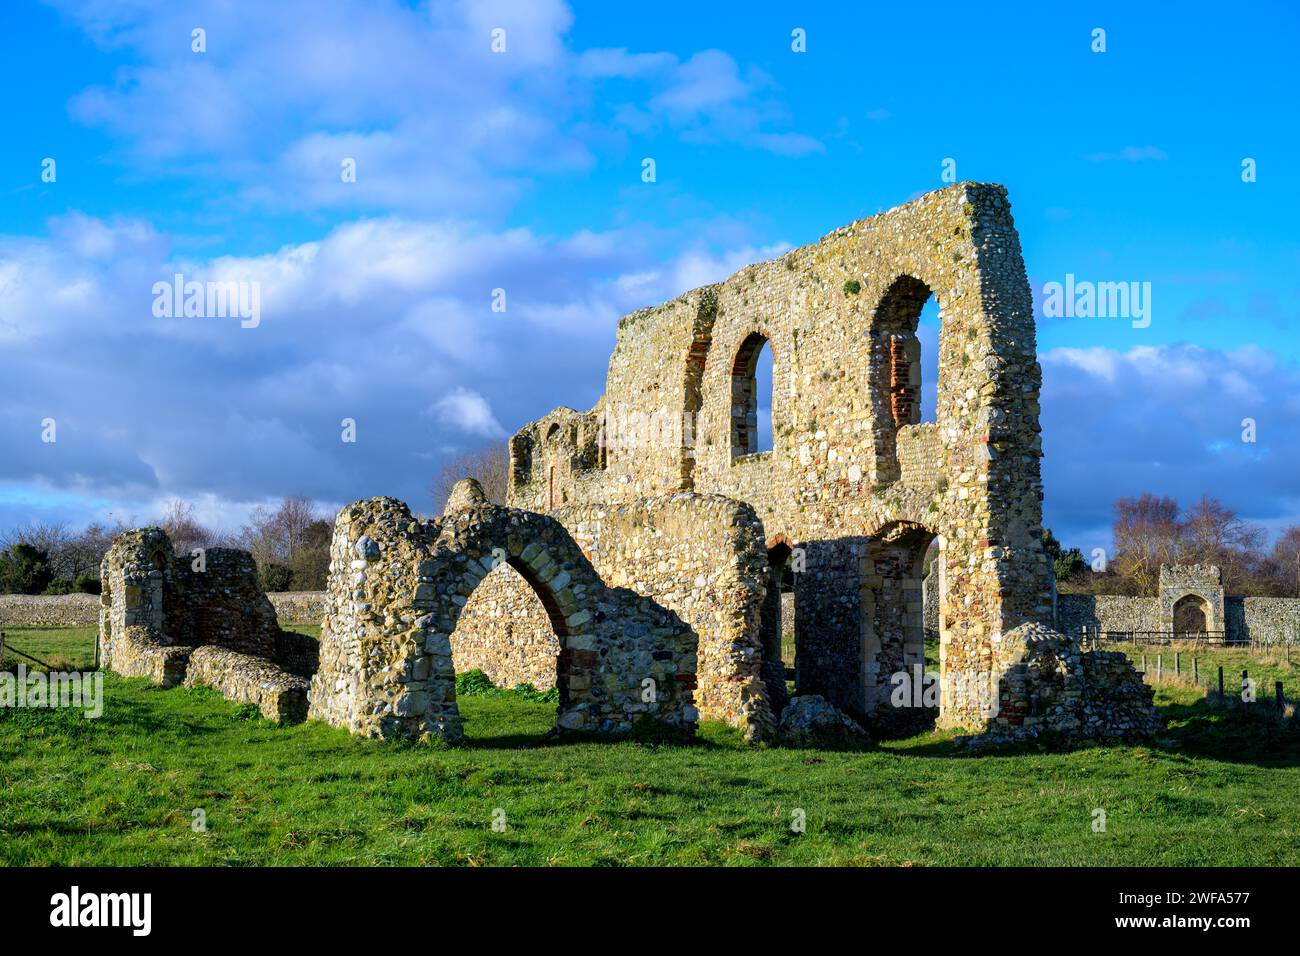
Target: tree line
{"points": [[1150, 530], [289, 542]]}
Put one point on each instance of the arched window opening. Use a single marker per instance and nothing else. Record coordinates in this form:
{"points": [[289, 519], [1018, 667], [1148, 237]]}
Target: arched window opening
{"points": [[752, 378], [696, 360], [927, 334], [907, 317]]}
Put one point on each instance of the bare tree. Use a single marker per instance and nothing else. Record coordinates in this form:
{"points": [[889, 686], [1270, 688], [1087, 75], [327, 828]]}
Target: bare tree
{"points": [[1147, 534], [1213, 533], [53, 538], [489, 464], [1286, 554], [290, 544], [87, 550], [185, 531]]}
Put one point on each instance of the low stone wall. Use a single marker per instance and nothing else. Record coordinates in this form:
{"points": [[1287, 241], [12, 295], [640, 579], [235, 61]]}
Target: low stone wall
{"points": [[49, 610], [1263, 619], [1046, 683], [82, 610], [1106, 612], [172, 620], [137, 652], [242, 678], [298, 607]]}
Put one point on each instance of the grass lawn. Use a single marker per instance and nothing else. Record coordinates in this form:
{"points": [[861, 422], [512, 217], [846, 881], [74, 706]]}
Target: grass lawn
{"points": [[1223, 790]]}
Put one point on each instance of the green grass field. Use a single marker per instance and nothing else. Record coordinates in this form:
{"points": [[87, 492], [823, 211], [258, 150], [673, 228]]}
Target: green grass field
{"points": [[1223, 789]]}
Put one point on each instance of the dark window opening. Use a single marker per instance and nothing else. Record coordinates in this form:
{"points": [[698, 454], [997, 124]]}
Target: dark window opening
{"points": [[1190, 615]]}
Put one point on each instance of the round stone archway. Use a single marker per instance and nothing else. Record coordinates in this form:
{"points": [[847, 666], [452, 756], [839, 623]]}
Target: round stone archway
{"points": [[396, 591]]}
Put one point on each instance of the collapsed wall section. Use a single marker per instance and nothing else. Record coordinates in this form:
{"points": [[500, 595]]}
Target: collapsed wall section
{"points": [[1043, 682], [198, 619]]}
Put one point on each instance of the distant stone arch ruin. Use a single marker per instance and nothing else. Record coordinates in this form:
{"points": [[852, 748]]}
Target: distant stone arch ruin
{"points": [[1191, 598]]}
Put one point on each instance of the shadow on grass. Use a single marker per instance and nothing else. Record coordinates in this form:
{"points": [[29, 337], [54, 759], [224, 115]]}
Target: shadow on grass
{"points": [[1252, 735], [550, 738]]}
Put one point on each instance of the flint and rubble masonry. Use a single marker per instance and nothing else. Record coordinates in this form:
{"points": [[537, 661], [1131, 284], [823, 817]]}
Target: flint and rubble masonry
{"points": [[82, 610]]}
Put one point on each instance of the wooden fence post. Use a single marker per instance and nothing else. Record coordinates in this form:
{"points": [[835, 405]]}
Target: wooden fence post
{"points": [[1178, 664], [1281, 700], [1220, 680], [1196, 673]]}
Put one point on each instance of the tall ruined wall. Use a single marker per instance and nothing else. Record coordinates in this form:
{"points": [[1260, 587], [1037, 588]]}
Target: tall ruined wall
{"points": [[135, 576], [851, 457]]}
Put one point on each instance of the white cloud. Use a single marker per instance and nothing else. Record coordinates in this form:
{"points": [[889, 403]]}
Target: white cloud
{"points": [[436, 121], [1168, 419], [387, 321], [469, 412], [1129, 154]]}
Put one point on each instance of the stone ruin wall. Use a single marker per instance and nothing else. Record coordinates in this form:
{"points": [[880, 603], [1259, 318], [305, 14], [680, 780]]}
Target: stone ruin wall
{"points": [[1242, 619], [1106, 612], [852, 463], [856, 487], [1048, 685], [173, 621], [700, 556], [397, 587], [1246, 619], [82, 610]]}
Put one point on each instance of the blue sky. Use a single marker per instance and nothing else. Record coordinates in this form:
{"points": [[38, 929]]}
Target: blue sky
{"points": [[522, 171]]}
